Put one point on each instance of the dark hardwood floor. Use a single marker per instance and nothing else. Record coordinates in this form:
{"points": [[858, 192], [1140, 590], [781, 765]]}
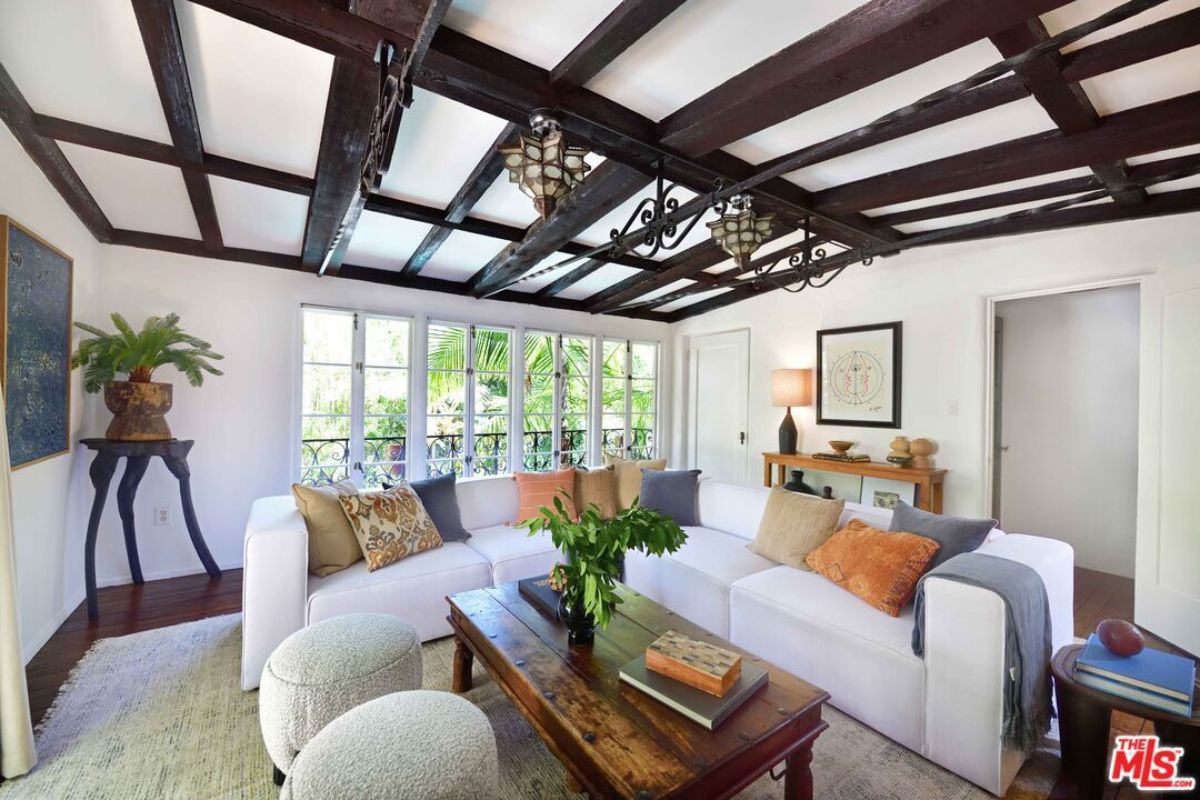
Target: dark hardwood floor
{"points": [[157, 604]]}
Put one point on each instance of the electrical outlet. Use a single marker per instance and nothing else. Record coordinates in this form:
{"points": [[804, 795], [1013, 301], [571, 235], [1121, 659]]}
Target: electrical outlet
{"points": [[952, 408], [162, 516]]}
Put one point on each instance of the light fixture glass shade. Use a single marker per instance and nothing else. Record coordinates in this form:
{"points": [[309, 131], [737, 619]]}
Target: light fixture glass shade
{"points": [[791, 387], [545, 168], [741, 232]]}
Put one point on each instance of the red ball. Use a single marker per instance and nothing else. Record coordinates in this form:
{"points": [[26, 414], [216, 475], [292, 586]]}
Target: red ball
{"points": [[1121, 637]]}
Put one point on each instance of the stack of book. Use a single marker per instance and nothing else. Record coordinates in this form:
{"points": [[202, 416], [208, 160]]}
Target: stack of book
{"points": [[848, 458], [1153, 678], [703, 682]]}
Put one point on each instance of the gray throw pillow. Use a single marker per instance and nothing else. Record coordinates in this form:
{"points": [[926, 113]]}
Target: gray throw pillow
{"points": [[441, 502], [671, 492], [954, 534]]}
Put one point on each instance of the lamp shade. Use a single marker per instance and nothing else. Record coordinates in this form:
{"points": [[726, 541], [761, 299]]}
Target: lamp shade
{"points": [[791, 387]]}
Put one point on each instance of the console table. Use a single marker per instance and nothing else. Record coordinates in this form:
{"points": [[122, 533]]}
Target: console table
{"points": [[928, 481], [174, 454]]}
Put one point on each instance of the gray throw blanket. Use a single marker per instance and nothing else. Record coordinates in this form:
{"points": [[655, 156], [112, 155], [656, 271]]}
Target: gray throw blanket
{"points": [[1026, 648]]}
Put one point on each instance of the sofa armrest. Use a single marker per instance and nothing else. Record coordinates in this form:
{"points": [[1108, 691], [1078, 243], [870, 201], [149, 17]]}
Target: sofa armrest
{"points": [[274, 581], [964, 660]]}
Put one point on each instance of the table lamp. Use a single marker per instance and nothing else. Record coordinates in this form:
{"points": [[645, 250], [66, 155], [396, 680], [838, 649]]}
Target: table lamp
{"points": [[790, 387]]}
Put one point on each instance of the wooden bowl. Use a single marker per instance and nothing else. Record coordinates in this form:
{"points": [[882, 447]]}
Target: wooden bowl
{"points": [[841, 446]]}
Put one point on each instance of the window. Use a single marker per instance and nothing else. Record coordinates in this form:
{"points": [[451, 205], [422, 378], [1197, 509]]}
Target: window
{"points": [[556, 385], [468, 410], [354, 415], [629, 398]]}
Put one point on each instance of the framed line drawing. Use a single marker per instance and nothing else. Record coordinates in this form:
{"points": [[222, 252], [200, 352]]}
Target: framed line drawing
{"points": [[858, 376], [35, 344]]}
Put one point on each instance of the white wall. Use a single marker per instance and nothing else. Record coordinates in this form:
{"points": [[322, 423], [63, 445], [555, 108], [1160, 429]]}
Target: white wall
{"points": [[940, 295], [1069, 378], [48, 511]]}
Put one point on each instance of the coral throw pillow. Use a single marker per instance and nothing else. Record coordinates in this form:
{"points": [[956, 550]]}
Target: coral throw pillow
{"points": [[879, 567], [390, 525], [537, 489]]}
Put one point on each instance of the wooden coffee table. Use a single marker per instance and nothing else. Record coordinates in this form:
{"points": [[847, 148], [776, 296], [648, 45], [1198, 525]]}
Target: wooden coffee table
{"points": [[614, 740]]}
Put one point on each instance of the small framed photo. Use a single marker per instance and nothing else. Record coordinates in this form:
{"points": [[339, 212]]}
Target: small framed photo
{"points": [[881, 493], [858, 376]]}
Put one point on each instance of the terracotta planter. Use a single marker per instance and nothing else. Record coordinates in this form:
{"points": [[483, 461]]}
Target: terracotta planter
{"points": [[138, 410]]}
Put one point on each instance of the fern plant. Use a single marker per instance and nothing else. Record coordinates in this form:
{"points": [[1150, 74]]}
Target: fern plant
{"points": [[137, 354]]}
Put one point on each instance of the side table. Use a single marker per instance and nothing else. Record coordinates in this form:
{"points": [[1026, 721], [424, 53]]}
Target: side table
{"points": [[174, 454], [1084, 718]]}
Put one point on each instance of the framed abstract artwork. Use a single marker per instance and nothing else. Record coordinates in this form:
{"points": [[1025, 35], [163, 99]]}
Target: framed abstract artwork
{"points": [[858, 376], [35, 344]]}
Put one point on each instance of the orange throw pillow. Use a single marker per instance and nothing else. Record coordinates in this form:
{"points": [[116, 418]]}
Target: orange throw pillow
{"points": [[537, 489], [879, 567]]}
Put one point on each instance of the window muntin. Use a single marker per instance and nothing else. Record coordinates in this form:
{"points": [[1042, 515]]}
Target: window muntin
{"points": [[629, 398]]}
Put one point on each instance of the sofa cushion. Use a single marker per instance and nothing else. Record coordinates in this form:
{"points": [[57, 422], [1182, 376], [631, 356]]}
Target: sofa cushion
{"points": [[880, 568], [513, 553], [803, 623], [440, 499], [732, 508], [694, 581], [390, 525], [414, 589], [954, 534], [794, 525], [487, 501], [671, 493], [629, 476], [331, 542]]}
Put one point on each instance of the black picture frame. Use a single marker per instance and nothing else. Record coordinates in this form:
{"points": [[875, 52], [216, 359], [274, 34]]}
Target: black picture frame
{"points": [[893, 372]]}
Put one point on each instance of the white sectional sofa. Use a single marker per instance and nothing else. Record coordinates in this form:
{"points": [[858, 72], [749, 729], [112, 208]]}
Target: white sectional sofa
{"points": [[947, 706]]}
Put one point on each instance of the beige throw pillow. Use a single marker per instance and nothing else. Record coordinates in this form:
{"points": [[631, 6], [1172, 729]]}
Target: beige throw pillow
{"points": [[331, 543], [629, 476], [390, 525], [794, 525], [596, 487]]}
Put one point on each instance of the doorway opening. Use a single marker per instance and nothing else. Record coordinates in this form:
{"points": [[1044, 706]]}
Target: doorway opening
{"points": [[1064, 432]]}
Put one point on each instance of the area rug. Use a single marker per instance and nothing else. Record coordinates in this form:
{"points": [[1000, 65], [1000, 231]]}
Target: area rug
{"points": [[160, 714]]}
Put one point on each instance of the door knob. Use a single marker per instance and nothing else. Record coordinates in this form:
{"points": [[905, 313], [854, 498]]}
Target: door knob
{"points": [[741, 437], [1003, 448]]}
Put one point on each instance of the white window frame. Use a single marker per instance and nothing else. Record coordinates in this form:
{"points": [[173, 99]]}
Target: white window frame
{"points": [[559, 383], [627, 434]]}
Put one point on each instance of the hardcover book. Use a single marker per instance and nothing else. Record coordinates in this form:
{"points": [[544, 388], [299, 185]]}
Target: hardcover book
{"points": [[700, 707], [1147, 698], [840, 457], [1150, 670], [539, 594]]}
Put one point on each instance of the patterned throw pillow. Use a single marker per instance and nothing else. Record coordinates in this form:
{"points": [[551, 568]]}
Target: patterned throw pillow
{"points": [[880, 568], [596, 487], [537, 489], [390, 525]]}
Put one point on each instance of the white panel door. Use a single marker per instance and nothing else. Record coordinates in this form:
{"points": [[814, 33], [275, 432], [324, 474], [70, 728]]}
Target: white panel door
{"points": [[1167, 587], [718, 385]]}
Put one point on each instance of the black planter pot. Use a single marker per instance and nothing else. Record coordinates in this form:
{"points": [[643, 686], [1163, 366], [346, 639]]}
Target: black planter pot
{"points": [[797, 484], [581, 626]]}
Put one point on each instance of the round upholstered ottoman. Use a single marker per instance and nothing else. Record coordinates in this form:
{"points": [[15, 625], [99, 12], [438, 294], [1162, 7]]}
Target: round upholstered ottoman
{"points": [[321, 672], [431, 745]]}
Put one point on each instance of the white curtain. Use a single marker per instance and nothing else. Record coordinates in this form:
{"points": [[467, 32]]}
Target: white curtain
{"points": [[17, 754]]}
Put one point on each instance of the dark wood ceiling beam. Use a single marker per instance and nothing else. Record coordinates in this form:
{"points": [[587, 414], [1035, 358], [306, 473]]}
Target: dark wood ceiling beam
{"points": [[1144, 129], [574, 276], [627, 23], [477, 183], [1183, 201], [687, 263], [1043, 191], [18, 116], [1065, 102], [1151, 41], [877, 40], [339, 195], [164, 47]]}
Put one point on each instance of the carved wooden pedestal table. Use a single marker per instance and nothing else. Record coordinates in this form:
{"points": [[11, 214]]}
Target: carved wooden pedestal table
{"points": [[174, 453]]}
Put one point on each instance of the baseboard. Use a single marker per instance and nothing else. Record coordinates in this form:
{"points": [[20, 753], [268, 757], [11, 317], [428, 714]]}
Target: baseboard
{"points": [[31, 648], [160, 575]]}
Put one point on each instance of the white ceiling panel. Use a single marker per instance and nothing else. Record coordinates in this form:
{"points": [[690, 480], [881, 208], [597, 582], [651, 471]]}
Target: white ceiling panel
{"points": [[703, 44], [462, 255], [868, 104], [134, 194], [1081, 11], [259, 218], [1022, 183], [384, 241], [972, 216], [260, 97], [503, 202], [82, 60], [1191, 149], [536, 31], [1148, 82], [598, 232], [691, 299], [1173, 186], [599, 280], [439, 143], [997, 125]]}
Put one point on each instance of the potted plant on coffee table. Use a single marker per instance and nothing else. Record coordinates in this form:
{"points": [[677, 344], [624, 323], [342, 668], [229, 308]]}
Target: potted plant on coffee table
{"points": [[595, 548], [139, 404]]}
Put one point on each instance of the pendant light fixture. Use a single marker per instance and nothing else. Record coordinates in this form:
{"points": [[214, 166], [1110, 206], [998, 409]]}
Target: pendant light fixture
{"points": [[544, 165]]}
